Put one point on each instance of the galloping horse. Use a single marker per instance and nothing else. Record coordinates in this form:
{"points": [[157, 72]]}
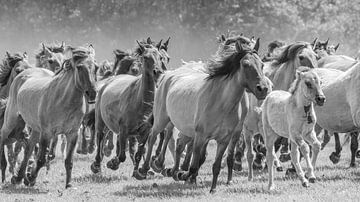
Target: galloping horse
{"points": [[11, 67], [124, 102], [291, 115], [204, 105], [50, 105]]}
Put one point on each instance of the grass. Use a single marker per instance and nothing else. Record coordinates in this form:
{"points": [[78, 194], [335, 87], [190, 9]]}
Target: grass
{"points": [[335, 183]]}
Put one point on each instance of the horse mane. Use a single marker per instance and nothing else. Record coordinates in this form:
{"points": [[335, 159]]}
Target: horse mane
{"points": [[289, 52], [295, 84], [77, 54], [224, 63], [7, 66]]}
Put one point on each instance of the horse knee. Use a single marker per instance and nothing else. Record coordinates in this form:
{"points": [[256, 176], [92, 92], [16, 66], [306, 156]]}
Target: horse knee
{"points": [[304, 148], [316, 146]]}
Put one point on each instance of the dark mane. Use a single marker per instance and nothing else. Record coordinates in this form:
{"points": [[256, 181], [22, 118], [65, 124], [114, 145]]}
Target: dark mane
{"points": [[289, 52], [124, 65], [7, 66], [226, 63]]}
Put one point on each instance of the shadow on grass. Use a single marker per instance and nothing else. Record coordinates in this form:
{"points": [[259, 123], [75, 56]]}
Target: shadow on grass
{"points": [[16, 189], [96, 178]]}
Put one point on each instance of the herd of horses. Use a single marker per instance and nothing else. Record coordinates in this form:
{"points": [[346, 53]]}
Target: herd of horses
{"points": [[235, 98]]}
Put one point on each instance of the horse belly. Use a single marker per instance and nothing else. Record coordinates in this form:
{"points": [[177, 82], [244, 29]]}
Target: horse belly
{"points": [[276, 112]]}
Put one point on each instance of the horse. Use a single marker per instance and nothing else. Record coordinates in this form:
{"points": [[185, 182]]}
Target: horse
{"points": [[124, 102], [204, 105], [274, 49], [57, 106], [291, 115], [340, 86], [11, 67], [50, 57]]}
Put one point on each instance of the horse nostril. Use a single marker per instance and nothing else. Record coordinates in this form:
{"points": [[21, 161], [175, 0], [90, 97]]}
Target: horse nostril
{"points": [[301, 57], [258, 87]]}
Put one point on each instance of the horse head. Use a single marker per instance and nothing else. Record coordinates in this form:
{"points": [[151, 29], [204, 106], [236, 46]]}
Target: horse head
{"points": [[51, 57], [331, 49], [150, 58], [12, 66], [309, 82], [81, 61]]}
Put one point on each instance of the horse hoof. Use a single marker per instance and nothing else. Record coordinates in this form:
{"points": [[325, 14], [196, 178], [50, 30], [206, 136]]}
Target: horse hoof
{"points": [[237, 167], [290, 171], [312, 179], [284, 157], [15, 180], [139, 175], [334, 158], [305, 184], [212, 191], [28, 181], [68, 186], [179, 175], [113, 164], [166, 172], [91, 149], [229, 182], [280, 169], [352, 165], [156, 167], [257, 166], [357, 154], [151, 173], [95, 168]]}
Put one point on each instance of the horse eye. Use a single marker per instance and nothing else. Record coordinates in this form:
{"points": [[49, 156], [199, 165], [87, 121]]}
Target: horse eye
{"points": [[51, 61], [308, 85]]}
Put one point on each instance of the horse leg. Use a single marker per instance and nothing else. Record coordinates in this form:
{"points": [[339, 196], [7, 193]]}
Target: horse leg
{"points": [[71, 140], [295, 158], [161, 142], [270, 138], [284, 152], [120, 151], [91, 146], [11, 157], [326, 139], [132, 148], [335, 156], [239, 153], [82, 147], [315, 145], [158, 163], [99, 128], [51, 155], [29, 148], [30, 179], [181, 142], [221, 147], [110, 143], [250, 153], [354, 147], [230, 154], [171, 143], [187, 159]]}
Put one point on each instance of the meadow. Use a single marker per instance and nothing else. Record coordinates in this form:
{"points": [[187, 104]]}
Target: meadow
{"points": [[334, 183]]}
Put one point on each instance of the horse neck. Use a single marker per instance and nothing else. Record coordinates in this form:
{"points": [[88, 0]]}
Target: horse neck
{"points": [[65, 89], [226, 94], [285, 75], [299, 99], [145, 95]]}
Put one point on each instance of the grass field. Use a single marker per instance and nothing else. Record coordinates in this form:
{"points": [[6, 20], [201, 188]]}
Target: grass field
{"points": [[335, 183]]}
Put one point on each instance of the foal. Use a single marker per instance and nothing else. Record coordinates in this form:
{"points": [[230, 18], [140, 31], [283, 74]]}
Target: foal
{"points": [[291, 115]]}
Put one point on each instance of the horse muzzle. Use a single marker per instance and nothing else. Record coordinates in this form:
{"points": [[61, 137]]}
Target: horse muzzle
{"points": [[261, 92], [90, 96], [320, 100]]}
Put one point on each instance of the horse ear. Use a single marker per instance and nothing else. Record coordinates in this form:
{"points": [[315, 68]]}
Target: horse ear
{"points": [[336, 47], [148, 40], [62, 44], [222, 38], [166, 44], [313, 44], [159, 45], [25, 55], [141, 47], [241, 34], [257, 45], [8, 54], [326, 42], [91, 50], [238, 47]]}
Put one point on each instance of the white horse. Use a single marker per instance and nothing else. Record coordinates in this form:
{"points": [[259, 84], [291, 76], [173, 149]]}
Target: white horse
{"points": [[291, 115]]}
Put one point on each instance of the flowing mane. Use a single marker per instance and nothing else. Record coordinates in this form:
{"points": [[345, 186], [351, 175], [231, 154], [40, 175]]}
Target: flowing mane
{"points": [[289, 52], [297, 80], [7, 66], [226, 61]]}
